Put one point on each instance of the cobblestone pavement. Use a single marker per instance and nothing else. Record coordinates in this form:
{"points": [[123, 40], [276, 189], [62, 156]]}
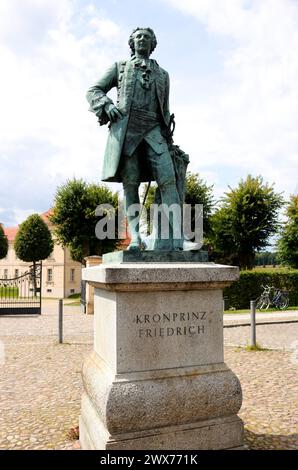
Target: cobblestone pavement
{"points": [[273, 336], [269, 383], [261, 317], [40, 382]]}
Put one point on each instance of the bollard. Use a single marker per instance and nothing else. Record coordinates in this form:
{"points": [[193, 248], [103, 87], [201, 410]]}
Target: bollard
{"points": [[60, 321], [253, 341]]}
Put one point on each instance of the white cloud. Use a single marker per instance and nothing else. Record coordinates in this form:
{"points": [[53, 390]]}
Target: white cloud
{"points": [[250, 122], [245, 120], [105, 28], [46, 132]]}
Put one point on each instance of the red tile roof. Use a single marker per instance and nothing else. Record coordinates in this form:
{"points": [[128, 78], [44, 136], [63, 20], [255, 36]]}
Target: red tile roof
{"points": [[45, 216], [11, 232]]}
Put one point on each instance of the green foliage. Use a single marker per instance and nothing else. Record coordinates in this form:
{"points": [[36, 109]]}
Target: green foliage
{"points": [[248, 287], [74, 296], [196, 192], [288, 242], [248, 216], [8, 292], [257, 347], [75, 220], [33, 241], [265, 258], [3, 243], [150, 197]]}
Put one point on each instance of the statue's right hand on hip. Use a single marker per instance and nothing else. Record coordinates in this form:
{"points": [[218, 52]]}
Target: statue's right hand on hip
{"points": [[113, 112]]}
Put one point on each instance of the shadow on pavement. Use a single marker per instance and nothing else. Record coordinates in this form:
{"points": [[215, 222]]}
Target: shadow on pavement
{"points": [[270, 441]]}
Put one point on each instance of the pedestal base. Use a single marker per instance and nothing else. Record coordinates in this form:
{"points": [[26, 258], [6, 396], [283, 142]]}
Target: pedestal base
{"points": [[213, 434], [156, 378], [181, 408]]}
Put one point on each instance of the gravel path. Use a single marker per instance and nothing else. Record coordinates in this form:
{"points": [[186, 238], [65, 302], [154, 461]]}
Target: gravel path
{"points": [[40, 381]]}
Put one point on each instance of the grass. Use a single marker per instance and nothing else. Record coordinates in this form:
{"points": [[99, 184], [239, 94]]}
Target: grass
{"points": [[76, 300], [257, 347], [9, 292], [73, 304], [261, 311], [74, 296], [271, 269]]}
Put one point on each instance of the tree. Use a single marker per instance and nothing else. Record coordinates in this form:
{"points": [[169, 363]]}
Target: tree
{"points": [[3, 243], [288, 242], [266, 258], [33, 242], [75, 219], [248, 216], [196, 192]]}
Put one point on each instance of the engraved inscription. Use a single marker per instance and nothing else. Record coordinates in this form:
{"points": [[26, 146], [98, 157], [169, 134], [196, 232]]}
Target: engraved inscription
{"points": [[164, 325]]}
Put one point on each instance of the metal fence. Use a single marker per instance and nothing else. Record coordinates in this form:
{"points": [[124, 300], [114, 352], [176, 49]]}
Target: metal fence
{"points": [[21, 295]]}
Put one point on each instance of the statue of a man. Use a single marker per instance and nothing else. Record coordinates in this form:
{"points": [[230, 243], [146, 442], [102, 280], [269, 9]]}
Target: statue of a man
{"points": [[137, 149]]}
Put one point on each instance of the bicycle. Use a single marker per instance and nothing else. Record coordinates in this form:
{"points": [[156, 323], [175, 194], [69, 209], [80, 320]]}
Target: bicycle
{"points": [[272, 296]]}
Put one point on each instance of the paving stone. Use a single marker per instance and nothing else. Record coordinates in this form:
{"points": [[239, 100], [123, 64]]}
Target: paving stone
{"points": [[42, 385]]}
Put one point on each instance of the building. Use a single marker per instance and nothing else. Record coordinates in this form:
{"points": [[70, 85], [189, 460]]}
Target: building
{"points": [[61, 276]]}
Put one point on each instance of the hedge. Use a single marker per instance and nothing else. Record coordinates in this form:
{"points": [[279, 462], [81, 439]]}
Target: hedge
{"points": [[248, 287]]}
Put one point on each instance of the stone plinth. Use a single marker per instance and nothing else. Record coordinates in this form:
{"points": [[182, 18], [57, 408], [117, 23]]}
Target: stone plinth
{"points": [[90, 262], [152, 256], [157, 378]]}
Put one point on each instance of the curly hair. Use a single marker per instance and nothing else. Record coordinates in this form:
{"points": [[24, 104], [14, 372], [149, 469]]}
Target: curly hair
{"points": [[153, 39]]}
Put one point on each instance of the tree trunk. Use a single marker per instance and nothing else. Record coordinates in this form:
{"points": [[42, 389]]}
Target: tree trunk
{"points": [[34, 278], [246, 260]]}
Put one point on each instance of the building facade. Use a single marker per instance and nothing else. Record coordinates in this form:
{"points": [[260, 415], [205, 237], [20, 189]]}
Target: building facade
{"points": [[61, 276]]}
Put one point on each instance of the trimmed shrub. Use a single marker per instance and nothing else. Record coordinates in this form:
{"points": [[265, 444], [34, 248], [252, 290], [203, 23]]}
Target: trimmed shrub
{"points": [[249, 286]]}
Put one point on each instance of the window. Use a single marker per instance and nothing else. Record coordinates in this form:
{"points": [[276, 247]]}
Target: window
{"points": [[49, 290], [72, 275], [50, 275], [16, 273], [5, 273], [72, 291]]}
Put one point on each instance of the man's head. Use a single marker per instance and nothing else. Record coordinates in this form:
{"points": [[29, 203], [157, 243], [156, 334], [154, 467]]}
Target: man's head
{"points": [[142, 40]]}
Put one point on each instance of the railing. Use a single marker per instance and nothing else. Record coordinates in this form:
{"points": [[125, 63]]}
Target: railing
{"points": [[22, 294]]}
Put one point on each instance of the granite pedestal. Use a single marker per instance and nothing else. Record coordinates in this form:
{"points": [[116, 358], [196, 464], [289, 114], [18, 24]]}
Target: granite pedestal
{"points": [[157, 378]]}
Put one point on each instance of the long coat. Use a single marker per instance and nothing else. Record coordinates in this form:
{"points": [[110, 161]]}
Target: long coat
{"points": [[122, 76]]}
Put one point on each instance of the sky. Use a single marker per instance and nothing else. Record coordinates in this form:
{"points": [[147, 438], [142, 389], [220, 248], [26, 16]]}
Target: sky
{"points": [[233, 66]]}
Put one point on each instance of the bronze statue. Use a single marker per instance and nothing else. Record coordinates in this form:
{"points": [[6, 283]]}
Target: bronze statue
{"points": [[139, 146]]}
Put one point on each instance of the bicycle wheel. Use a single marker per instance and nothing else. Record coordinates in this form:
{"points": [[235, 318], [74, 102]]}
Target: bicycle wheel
{"points": [[263, 302], [283, 301]]}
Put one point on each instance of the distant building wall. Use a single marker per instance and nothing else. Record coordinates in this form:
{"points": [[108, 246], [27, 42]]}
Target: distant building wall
{"points": [[73, 275], [61, 276]]}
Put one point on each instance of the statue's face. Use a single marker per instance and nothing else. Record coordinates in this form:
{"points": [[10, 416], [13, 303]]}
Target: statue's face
{"points": [[142, 41]]}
